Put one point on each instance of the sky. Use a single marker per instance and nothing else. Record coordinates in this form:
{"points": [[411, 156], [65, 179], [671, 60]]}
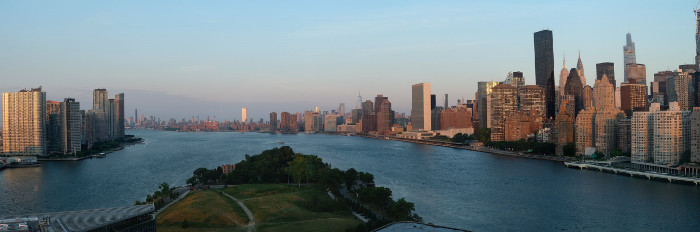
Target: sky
{"points": [[211, 58]]}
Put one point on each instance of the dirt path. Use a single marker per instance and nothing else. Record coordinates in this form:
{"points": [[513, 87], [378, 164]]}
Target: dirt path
{"points": [[251, 219]]}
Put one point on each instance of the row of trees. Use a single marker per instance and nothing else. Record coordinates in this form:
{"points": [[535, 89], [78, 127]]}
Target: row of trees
{"points": [[523, 145], [161, 197]]}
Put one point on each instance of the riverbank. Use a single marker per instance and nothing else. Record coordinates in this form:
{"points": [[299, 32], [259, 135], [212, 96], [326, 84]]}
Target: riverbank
{"points": [[465, 147], [99, 150]]}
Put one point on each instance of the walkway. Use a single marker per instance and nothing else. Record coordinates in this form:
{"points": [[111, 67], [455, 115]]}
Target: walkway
{"points": [[251, 219], [648, 175], [359, 216]]}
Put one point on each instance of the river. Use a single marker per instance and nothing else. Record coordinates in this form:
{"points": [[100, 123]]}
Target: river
{"points": [[451, 187]]}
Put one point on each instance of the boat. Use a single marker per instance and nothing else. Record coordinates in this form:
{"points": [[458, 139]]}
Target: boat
{"points": [[281, 142]]}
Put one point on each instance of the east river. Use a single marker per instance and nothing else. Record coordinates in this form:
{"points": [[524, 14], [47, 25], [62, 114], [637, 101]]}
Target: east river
{"points": [[450, 187]]}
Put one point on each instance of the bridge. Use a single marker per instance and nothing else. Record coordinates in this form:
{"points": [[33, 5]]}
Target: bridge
{"points": [[632, 173]]}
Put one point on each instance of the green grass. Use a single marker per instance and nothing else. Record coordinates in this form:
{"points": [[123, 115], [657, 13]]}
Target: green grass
{"points": [[207, 210], [289, 208]]}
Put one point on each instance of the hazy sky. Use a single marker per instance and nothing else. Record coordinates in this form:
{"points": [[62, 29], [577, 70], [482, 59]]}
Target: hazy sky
{"points": [[184, 58]]}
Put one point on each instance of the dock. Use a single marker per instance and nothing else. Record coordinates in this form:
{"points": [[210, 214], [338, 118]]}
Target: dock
{"points": [[632, 173]]}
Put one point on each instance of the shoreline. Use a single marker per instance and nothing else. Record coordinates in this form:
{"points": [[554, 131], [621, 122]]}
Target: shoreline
{"points": [[95, 154]]}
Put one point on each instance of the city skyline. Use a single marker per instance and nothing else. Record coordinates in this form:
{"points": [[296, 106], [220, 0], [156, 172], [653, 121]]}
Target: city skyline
{"points": [[306, 60]]}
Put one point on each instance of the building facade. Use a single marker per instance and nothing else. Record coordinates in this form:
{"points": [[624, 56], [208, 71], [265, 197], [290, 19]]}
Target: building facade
{"points": [[420, 106], [24, 122]]}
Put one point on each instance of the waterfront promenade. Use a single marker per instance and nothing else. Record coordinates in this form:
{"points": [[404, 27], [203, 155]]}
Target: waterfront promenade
{"points": [[632, 173]]}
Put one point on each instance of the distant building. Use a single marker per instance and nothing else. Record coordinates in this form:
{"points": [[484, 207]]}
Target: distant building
{"points": [[658, 87], [629, 52], [695, 135], [532, 99], [504, 101], [585, 136], [607, 69], [244, 114], [482, 94], [579, 69], [457, 117], [636, 74], [420, 110], [24, 122], [563, 75], [273, 121], [228, 168], [544, 68], [679, 88], [564, 126], [661, 137], [574, 87], [633, 98], [330, 122], [119, 113]]}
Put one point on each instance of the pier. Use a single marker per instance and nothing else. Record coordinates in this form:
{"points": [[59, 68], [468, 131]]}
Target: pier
{"points": [[632, 173]]}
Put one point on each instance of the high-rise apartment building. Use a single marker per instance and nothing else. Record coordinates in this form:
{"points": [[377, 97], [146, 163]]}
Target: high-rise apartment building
{"points": [[504, 101], [24, 122], [667, 135], [633, 98], [420, 106], [679, 88], [515, 79], [607, 69], [695, 135], [532, 99], [585, 135], [70, 126], [606, 129], [273, 121], [603, 93], [564, 126], [100, 99], [119, 101], [384, 117], [658, 87], [544, 67]]}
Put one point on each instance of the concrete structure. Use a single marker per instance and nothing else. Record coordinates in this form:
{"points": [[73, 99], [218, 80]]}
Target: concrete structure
{"points": [[24, 122], [504, 101], [420, 110], [136, 218], [544, 67], [607, 69]]}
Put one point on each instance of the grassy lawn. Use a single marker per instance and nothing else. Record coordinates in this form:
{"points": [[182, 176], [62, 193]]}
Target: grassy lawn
{"points": [[207, 210], [289, 208]]}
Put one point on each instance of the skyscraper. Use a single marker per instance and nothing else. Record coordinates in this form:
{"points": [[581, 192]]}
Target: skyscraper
{"points": [[636, 74], [603, 94], [420, 106], [629, 52], [384, 117], [544, 67], [697, 40], [446, 102], [24, 122], [579, 68], [504, 101], [70, 126], [608, 69], [563, 75], [119, 101], [574, 87], [99, 99], [273, 121], [484, 88], [633, 97], [244, 114]]}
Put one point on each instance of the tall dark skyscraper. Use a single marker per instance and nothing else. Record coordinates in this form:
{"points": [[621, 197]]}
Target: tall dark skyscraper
{"points": [[607, 68], [544, 67], [433, 101]]}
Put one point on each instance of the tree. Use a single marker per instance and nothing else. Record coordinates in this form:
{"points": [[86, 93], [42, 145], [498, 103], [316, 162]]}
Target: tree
{"points": [[569, 149], [401, 210], [616, 152], [299, 168]]}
